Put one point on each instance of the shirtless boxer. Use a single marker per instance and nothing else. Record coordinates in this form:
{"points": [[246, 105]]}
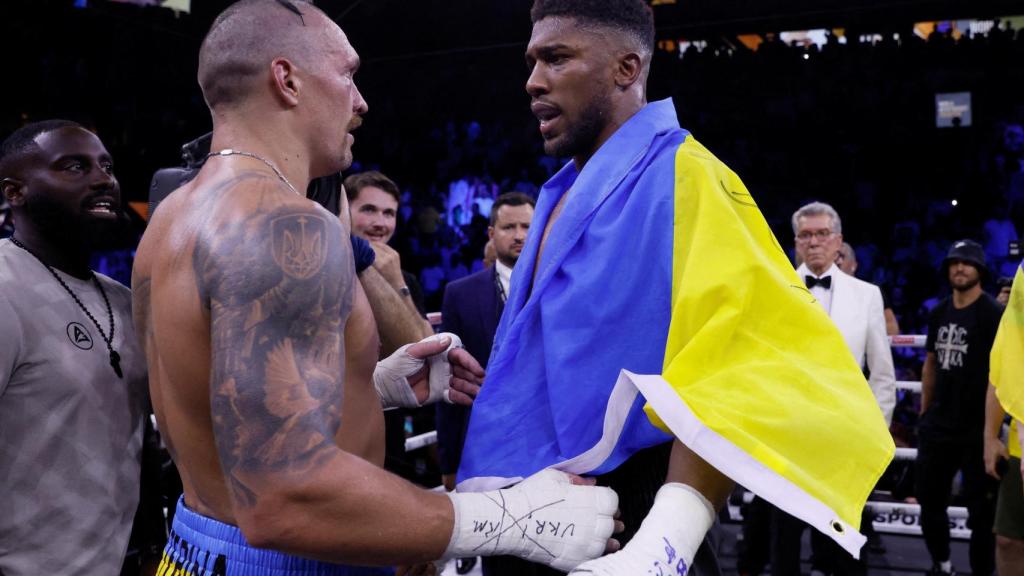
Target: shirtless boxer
{"points": [[249, 313]]}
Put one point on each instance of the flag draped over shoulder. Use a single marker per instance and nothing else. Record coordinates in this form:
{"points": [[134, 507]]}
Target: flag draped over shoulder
{"points": [[1006, 366], [596, 301], [757, 379], [662, 283]]}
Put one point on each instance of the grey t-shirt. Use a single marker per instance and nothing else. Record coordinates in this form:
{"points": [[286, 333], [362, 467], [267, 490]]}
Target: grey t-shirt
{"points": [[70, 429]]}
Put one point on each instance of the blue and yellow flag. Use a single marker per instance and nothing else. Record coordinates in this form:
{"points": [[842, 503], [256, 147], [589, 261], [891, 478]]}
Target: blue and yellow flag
{"points": [[1006, 366], [662, 284]]}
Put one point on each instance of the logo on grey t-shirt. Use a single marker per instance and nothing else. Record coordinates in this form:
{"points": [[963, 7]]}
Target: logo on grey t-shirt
{"points": [[79, 336]]}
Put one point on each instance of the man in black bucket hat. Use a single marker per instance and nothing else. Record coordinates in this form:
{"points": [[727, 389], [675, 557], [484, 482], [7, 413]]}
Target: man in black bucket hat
{"points": [[954, 380], [967, 252]]}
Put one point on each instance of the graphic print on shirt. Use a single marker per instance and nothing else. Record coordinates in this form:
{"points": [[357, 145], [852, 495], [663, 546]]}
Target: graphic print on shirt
{"points": [[951, 346], [79, 336]]}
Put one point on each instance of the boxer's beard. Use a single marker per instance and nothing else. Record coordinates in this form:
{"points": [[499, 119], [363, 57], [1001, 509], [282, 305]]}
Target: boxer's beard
{"points": [[580, 137]]}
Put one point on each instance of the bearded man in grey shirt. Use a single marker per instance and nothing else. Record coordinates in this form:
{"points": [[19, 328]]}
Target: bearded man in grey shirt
{"points": [[73, 391]]}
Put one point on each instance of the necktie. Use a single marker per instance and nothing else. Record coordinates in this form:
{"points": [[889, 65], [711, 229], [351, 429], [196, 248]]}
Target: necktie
{"points": [[824, 282]]}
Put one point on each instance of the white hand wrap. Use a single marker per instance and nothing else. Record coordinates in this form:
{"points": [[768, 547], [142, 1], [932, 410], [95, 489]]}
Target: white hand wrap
{"points": [[667, 540], [391, 377], [544, 519]]}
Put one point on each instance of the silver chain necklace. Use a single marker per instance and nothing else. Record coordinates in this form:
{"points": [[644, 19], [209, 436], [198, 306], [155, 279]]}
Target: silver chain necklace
{"points": [[230, 152]]}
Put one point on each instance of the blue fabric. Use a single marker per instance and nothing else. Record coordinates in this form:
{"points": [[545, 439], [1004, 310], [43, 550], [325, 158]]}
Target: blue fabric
{"points": [[202, 546], [600, 302], [471, 309], [362, 253]]}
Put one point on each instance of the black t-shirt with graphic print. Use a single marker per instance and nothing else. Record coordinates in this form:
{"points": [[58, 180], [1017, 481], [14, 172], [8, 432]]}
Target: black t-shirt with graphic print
{"points": [[961, 340]]}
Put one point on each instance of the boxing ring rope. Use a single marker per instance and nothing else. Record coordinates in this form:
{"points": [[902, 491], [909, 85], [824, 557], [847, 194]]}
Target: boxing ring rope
{"points": [[420, 441]]}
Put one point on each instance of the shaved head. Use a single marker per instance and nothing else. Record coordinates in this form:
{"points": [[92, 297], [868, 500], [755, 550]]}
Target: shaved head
{"points": [[248, 36]]}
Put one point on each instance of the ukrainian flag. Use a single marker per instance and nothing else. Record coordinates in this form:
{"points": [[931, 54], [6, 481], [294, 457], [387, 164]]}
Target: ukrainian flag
{"points": [[1006, 366], [663, 306], [757, 380]]}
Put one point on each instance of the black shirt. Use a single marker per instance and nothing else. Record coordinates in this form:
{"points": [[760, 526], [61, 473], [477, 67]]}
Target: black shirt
{"points": [[961, 340]]}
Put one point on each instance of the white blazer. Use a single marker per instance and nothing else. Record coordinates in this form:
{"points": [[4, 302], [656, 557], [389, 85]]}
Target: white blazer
{"points": [[857, 312]]}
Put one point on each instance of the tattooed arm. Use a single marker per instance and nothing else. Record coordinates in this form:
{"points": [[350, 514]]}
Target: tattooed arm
{"points": [[278, 285]]}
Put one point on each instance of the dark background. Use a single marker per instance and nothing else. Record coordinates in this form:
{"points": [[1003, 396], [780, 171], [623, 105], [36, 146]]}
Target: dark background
{"points": [[853, 124], [129, 71]]}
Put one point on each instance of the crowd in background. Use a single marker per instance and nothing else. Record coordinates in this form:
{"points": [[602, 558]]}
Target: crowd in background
{"points": [[851, 123]]}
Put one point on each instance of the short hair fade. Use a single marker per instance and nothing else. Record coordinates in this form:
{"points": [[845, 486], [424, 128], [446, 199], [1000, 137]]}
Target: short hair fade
{"points": [[633, 17], [24, 139], [510, 199]]}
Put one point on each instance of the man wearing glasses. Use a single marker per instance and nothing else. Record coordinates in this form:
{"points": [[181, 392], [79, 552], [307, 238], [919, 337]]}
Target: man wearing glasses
{"points": [[856, 308]]}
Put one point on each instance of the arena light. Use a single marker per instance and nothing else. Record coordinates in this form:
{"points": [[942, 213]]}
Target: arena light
{"points": [[954, 202], [817, 37], [176, 5]]}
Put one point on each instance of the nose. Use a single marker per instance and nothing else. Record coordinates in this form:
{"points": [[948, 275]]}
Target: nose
{"points": [[359, 105], [536, 84], [103, 179]]}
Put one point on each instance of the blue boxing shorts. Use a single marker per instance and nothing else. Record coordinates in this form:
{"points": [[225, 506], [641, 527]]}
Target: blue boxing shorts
{"points": [[202, 546]]}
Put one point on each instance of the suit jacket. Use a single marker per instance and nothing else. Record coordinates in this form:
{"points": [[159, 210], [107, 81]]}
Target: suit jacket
{"points": [[471, 309], [858, 313]]}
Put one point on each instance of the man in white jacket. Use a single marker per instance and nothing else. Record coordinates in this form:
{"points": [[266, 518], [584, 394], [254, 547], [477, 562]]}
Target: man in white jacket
{"points": [[854, 305], [857, 310]]}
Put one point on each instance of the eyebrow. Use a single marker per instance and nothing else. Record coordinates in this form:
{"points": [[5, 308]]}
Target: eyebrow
{"points": [[372, 206], [547, 49], [81, 158]]}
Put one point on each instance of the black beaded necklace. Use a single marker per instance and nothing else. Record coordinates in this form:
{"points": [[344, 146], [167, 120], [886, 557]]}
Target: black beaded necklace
{"points": [[115, 358]]}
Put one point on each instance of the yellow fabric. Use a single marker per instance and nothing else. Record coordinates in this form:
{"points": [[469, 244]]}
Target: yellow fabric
{"points": [[754, 355], [1014, 440], [169, 567], [1006, 367]]}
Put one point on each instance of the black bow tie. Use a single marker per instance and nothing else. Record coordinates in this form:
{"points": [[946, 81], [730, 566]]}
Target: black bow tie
{"points": [[825, 282]]}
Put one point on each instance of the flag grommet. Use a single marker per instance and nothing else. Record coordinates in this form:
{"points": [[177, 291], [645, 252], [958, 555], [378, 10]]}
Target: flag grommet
{"points": [[838, 527]]}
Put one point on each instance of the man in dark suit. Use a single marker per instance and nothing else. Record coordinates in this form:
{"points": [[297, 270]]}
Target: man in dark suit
{"points": [[472, 307]]}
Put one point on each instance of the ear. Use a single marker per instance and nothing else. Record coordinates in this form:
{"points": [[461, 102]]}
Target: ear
{"points": [[14, 191], [628, 70], [286, 82], [490, 232]]}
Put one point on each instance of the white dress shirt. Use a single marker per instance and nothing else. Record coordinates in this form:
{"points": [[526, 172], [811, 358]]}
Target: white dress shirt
{"points": [[504, 275], [824, 296]]}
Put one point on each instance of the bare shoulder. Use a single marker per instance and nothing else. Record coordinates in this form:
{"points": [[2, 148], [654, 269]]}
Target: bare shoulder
{"points": [[266, 239]]}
